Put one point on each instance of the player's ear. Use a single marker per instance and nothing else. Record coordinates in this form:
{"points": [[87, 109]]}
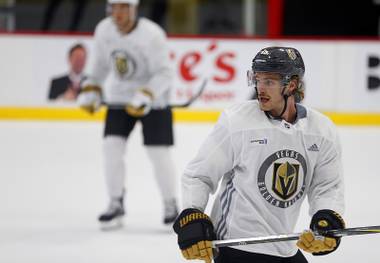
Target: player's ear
{"points": [[292, 86]]}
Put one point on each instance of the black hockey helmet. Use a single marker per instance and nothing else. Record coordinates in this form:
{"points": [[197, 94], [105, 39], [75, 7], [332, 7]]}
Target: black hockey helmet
{"points": [[286, 61]]}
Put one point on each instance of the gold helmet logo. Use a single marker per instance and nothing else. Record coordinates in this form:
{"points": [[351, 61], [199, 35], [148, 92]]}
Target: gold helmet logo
{"points": [[292, 55], [285, 179]]}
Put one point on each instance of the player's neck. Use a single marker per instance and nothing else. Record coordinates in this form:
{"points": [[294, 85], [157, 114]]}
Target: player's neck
{"points": [[290, 113], [128, 28]]}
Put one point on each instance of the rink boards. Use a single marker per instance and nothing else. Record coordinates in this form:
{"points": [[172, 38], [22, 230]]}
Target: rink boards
{"points": [[342, 76]]}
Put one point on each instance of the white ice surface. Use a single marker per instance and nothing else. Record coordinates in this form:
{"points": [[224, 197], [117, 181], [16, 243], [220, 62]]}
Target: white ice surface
{"points": [[52, 189]]}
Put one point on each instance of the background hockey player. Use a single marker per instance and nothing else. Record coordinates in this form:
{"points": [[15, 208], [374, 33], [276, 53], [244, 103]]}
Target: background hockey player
{"points": [[133, 54], [270, 154]]}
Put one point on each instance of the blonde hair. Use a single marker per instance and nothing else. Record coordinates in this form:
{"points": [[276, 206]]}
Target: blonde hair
{"points": [[299, 93]]}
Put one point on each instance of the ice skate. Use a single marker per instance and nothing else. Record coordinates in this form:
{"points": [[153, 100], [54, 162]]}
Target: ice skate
{"points": [[112, 218], [170, 211]]}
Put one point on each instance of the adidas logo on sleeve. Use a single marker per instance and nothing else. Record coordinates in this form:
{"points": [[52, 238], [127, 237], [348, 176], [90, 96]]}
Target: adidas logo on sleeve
{"points": [[313, 148]]}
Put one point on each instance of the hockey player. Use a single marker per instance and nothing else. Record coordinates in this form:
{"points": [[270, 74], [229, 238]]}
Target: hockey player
{"points": [[133, 54], [270, 154]]}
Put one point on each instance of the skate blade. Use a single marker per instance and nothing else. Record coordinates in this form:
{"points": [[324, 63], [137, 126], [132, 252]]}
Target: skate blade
{"points": [[114, 224]]}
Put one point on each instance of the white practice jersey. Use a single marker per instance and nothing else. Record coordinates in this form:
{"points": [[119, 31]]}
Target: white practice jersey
{"points": [[268, 168], [139, 59]]}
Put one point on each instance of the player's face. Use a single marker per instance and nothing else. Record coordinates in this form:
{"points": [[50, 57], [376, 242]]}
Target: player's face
{"points": [[124, 16], [269, 88], [77, 60]]}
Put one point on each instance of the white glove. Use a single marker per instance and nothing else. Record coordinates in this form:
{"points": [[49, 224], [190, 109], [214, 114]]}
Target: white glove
{"points": [[89, 98], [140, 104]]}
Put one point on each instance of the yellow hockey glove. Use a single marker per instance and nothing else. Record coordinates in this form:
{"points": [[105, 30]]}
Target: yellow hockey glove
{"points": [[322, 221], [309, 243]]}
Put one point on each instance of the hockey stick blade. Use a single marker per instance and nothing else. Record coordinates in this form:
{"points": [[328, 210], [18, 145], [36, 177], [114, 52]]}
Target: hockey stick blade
{"points": [[181, 105], [288, 237]]}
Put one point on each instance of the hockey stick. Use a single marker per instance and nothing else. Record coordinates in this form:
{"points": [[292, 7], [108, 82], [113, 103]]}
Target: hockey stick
{"points": [[180, 105], [192, 99], [288, 237]]}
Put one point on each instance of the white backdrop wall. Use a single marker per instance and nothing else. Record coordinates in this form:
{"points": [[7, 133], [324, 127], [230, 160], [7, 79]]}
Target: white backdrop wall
{"points": [[336, 76]]}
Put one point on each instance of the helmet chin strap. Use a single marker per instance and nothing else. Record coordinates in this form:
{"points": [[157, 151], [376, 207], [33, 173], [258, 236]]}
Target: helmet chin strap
{"points": [[286, 102]]}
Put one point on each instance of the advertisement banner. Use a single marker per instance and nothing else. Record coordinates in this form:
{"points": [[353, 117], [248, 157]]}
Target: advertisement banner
{"points": [[341, 76]]}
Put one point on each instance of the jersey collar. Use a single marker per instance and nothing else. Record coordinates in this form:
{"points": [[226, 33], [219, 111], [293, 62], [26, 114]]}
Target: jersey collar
{"points": [[301, 113]]}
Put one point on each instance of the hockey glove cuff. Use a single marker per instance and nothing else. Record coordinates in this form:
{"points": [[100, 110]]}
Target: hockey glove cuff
{"points": [[195, 232]]}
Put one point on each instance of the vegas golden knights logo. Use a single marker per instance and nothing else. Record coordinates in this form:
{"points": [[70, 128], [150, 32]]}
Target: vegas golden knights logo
{"points": [[124, 64], [282, 178], [285, 179], [292, 55], [121, 65]]}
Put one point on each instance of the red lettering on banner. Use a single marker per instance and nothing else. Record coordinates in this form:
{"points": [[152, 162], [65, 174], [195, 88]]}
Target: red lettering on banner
{"points": [[212, 47], [222, 70], [184, 94], [217, 96], [187, 64], [207, 96], [222, 64]]}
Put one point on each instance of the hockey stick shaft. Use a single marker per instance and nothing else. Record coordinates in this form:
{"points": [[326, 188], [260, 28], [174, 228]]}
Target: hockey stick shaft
{"points": [[288, 237], [192, 99], [181, 105]]}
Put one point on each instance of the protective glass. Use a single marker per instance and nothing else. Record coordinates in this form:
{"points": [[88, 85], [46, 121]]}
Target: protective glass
{"points": [[268, 83]]}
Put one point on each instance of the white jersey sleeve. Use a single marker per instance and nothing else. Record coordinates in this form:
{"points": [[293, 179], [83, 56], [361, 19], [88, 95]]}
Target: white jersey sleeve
{"points": [[203, 173], [326, 188]]}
